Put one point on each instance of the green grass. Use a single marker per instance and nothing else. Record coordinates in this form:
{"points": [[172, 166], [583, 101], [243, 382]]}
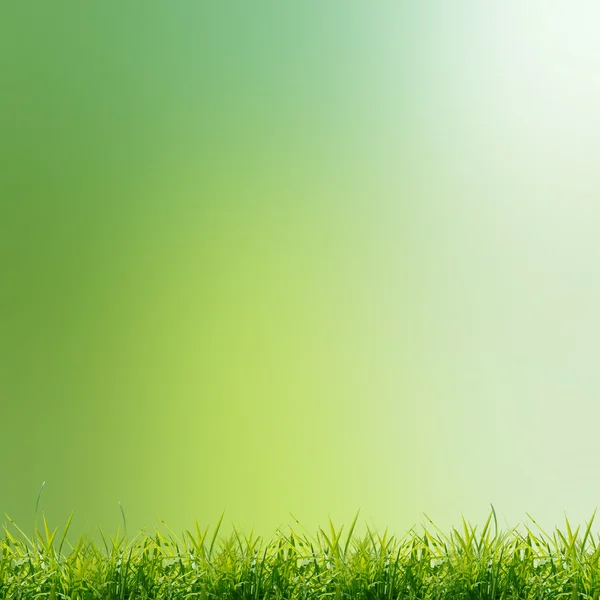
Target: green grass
{"points": [[331, 564]]}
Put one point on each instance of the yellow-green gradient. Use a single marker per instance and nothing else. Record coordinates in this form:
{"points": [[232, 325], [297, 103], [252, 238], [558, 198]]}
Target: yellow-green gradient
{"points": [[298, 257]]}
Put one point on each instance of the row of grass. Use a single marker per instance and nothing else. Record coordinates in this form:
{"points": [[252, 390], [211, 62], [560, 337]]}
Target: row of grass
{"points": [[331, 564]]}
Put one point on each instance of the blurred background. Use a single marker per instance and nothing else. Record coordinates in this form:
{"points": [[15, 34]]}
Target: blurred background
{"points": [[300, 258]]}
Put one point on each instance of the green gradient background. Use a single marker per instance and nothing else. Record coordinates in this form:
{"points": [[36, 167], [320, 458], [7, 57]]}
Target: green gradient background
{"points": [[301, 257]]}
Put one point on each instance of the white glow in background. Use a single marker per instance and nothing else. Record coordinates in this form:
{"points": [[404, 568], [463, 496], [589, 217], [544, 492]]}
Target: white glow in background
{"points": [[509, 96]]}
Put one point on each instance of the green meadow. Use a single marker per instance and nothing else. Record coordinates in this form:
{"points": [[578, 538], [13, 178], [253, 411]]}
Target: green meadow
{"points": [[464, 563]]}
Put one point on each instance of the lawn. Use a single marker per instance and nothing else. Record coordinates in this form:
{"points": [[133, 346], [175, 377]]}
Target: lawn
{"points": [[330, 564]]}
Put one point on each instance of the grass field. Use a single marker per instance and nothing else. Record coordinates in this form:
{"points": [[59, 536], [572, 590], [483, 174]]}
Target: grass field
{"points": [[333, 563]]}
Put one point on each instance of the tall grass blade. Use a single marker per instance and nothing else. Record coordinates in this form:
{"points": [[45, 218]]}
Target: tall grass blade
{"points": [[214, 537], [350, 532], [64, 535], [37, 505], [123, 516]]}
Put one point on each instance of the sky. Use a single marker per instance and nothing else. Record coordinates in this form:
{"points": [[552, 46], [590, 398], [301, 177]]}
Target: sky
{"points": [[299, 260]]}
